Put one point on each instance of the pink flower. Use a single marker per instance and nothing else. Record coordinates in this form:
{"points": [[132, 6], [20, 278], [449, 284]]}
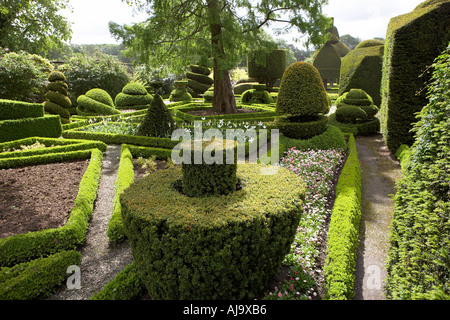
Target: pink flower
{"points": [[280, 295]]}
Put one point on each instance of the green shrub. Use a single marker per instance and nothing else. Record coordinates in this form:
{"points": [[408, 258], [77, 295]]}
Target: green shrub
{"points": [[158, 121], [413, 41], [218, 247], [56, 94], [267, 67], [350, 114], [258, 94], [31, 280], [328, 62], [96, 102], [362, 69], [47, 126], [133, 96], [202, 78], [23, 77], [13, 110], [343, 232], [98, 70], [24, 247], [242, 87], [368, 127], [301, 130], [420, 235]]}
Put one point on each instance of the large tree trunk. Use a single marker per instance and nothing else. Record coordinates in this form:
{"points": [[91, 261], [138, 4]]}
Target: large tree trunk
{"points": [[223, 101]]}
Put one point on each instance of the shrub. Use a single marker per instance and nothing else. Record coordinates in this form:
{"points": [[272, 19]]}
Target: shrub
{"points": [[47, 126], [420, 235], [85, 72], [267, 67], [23, 77], [14, 110], [218, 247], [301, 130], [96, 102], [350, 114], [158, 121], [133, 96], [362, 69], [328, 62], [258, 94], [56, 93], [413, 41], [242, 87]]}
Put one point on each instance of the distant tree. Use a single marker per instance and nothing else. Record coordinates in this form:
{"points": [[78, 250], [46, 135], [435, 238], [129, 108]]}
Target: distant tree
{"points": [[33, 26], [179, 31], [350, 41]]}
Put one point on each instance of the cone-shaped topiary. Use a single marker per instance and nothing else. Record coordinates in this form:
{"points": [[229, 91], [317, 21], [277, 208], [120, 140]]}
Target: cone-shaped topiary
{"points": [[158, 121], [56, 93], [303, 98], [133, 96], [96, 102]]}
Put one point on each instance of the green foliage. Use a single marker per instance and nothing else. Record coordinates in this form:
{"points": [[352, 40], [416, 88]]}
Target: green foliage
{"points": [[343, 233], [158, 121], [362, 69], [56, 94], [13, 110], [133, 96], [418, 264], [257, 95], [413, 41], [23, 76], [242, 87], [218, 247], [96, 101], [31, 280], [85, 72], [350, 114], [125, 286], [362, 128], [33, 26], [302, 92], [199, 75], [24, 247], [267, 67], [328, 62], [301, 130], [47, 126]]}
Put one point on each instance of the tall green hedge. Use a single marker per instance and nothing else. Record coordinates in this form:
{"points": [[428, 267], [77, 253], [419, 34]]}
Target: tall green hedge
{"points": [[48, 126], [362, 69], [13, 110], [413, 41], [418, 265], [328, 62]]}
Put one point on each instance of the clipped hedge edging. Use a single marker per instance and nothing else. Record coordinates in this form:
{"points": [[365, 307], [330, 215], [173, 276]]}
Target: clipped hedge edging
{"points": [[24, 247], [343, 233], [47, 126], [30, 280]]}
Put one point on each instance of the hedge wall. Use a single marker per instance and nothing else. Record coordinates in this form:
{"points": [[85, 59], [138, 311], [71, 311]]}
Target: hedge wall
{"points": [[47, 126], [413, 41], [13, 110]]}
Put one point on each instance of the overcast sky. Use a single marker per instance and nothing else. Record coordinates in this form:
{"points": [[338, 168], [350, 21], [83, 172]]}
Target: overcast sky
{"points": [[365, 19]]}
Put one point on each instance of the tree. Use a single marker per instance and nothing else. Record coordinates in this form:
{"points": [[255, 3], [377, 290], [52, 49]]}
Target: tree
{"points": [[33, 26], [350, 41], [179, 31]]}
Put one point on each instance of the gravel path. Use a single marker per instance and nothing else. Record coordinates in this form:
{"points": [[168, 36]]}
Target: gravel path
{"points": [[100, 260], [379, 172]]}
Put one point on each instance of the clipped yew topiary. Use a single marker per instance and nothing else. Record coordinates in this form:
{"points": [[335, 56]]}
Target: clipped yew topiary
{"points": [[362, 69], [133, 96], [158, 121], [57, 100], [96, 102], [303, 99], [217, 247], [328, 62], [266, 67], [198, 79], [180, 93], [413, 41], [258, 94]]}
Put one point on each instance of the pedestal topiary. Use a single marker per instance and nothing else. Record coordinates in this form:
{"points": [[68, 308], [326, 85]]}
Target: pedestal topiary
{"points": [[56, 94], [258, 94], [180, 92], [304, 102], [133, 96]]}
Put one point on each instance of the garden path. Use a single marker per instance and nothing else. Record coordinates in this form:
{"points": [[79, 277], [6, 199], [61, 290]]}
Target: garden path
{"points": [[379, 173], [100, 259]]}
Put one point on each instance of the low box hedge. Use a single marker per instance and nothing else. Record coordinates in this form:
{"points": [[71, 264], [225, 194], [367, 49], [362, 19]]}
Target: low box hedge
{"points": [[24, 247], [363, 129], [47, 126], [343, 232], [219, 247]]}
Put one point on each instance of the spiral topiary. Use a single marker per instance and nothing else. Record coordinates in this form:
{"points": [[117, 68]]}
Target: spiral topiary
{"points": [[198, 79], [57, 100], [96, 102], [133, 96]]}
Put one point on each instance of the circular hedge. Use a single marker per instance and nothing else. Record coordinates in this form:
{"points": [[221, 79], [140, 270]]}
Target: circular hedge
{"points": [[219, 247]]}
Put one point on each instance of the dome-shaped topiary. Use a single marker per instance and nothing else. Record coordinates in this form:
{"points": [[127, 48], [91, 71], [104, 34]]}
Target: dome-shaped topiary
{"points": [[350, 114], [57, 100], [96, 102], [302, 92], [370, 43], [158, 121], [133, 96]]}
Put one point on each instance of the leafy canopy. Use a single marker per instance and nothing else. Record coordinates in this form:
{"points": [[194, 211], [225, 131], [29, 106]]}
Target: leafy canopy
{"points": [[33, 26], [179, 32]]}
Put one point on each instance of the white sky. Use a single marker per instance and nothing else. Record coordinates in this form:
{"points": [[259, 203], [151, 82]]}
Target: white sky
{"points": [[365, 19]]}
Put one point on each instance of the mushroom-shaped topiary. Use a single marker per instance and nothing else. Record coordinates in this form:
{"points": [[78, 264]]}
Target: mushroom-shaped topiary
{"points": [[302, 97], [56, 93], [96, 102], [133, 96], [258, 94], [180, 92], [158, 121]]}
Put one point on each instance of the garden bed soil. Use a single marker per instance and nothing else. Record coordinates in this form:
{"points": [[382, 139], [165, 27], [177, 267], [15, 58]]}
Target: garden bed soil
{"points": [[38, 197], [210, 112]]}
